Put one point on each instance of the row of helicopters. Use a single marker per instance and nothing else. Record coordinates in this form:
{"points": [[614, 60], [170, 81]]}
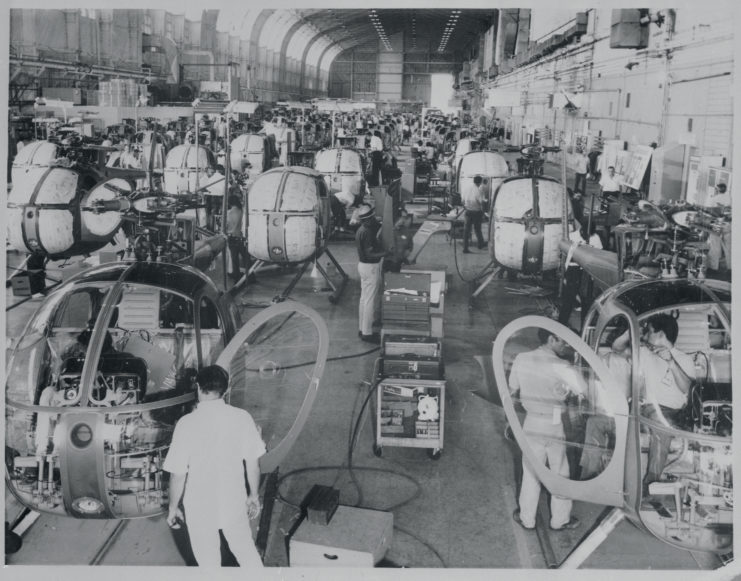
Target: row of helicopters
{"points": [[104, 368]]}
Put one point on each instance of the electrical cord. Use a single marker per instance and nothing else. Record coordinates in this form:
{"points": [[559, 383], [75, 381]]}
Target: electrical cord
{"points": [[337, 358], [484, 271], [348, 465]]}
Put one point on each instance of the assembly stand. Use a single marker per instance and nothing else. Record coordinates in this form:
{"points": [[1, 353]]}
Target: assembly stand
{"points": [[337, 290]]}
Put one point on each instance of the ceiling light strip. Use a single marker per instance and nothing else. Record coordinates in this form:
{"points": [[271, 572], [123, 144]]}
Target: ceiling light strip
{"points": [[448, 30], [376, 22]]}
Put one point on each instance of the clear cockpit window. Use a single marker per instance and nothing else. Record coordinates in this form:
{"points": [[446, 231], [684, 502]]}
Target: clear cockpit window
{"points": [[53, 335]]}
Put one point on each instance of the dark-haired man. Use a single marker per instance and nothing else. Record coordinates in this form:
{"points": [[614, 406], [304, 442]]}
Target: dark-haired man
{"points": [[216, 448], [666, 374], [543, 379]]}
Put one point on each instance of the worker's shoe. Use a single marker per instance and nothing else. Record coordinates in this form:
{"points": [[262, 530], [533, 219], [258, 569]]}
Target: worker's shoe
{"points": [[373, 338], [466, 251], [516, 518], [572, 524]]}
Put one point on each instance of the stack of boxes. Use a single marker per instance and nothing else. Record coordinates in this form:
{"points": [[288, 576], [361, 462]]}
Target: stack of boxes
{"points": [[120, 93]]}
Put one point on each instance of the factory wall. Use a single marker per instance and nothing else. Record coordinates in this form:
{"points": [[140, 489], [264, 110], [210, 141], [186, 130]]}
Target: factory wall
{"points": [[677, 90], [366, 72], [165, 43]]}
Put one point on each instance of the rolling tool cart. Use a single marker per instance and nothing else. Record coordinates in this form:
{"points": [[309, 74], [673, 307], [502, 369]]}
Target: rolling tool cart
{"points": [[410, 374]]}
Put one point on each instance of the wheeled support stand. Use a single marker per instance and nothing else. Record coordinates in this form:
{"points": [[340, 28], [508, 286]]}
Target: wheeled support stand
{"points": [[337, 290]]}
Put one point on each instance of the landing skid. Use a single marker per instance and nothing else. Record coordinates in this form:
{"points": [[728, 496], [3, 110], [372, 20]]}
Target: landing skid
{"points": [[593, 540]]}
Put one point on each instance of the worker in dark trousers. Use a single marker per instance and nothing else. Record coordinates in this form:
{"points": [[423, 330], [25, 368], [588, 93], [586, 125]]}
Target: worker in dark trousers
{"points": [[581, 170], [572, 276], [473, 202], [237, 246], [376, 146], [370, 255]]}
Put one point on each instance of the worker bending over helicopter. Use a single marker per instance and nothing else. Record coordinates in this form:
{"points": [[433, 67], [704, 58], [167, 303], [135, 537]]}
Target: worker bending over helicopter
{"points": [[666, 374]]}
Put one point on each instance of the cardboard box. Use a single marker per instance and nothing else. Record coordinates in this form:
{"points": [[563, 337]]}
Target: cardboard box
{"points": [[356, 537], [27, 283]]}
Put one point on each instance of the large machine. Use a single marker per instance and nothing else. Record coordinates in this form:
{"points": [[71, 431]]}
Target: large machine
{"points": [[105, 368], [46, 216], [691, 505], [528, 219], [344, 170], [289, 223], [252, 153], [185, 168], [668, 242]]}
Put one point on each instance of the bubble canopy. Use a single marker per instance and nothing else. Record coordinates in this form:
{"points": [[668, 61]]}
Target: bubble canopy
{"points": [[604, 418], [106, 367]]}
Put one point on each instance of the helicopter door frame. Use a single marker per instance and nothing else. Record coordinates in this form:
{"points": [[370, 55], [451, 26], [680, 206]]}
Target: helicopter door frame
{"points": [[270, 460], [608, 486]]}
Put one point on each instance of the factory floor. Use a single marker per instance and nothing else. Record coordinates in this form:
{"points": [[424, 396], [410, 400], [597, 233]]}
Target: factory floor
{"points": [[453, 512]]}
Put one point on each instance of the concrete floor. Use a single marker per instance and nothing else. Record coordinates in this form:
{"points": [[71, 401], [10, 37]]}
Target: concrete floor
{"points": [[454, 512]]}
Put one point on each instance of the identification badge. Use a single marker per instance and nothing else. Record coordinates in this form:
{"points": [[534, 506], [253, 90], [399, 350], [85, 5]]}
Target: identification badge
{"points": [[556, 416]]}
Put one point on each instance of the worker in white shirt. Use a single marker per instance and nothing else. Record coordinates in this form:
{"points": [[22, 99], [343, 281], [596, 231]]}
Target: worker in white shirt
{"points": [[376, 146], [581, 168], [473, 202], [128, 160], [609, 183]]}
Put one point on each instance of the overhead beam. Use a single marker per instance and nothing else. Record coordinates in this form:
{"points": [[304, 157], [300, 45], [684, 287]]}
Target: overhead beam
{"points": [[255, 41], [316, 37], [284, 48]]}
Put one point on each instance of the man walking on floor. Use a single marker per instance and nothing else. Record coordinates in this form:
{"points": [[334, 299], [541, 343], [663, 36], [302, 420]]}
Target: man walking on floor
{"points": [[213, 466], [473, 202]]}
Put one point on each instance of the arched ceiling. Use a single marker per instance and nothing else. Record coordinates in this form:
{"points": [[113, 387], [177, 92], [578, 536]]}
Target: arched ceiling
{"points": [[330, 31], [355, 27]]}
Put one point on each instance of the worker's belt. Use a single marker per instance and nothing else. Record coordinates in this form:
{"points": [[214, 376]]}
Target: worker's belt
{"points": [[370, 261]]}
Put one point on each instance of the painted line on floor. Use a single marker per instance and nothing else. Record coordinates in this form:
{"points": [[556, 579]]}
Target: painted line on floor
{"points": [[523, 553]]}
